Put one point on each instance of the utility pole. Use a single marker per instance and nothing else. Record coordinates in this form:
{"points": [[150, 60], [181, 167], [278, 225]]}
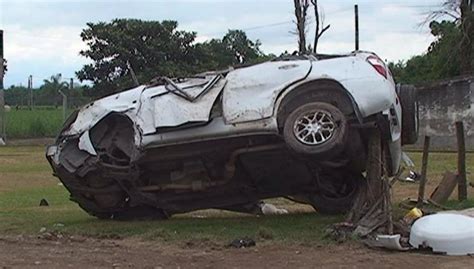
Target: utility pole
{"points": [[64, 104], [462, 181], [30, 89], [356, 13], [2, 100], [71, 88]]}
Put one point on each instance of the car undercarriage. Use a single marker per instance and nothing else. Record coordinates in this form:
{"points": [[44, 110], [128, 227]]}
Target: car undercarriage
{"points": [[124, 182]]}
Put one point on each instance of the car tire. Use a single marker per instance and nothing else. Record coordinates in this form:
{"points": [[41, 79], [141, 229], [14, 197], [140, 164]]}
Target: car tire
{"points": [[317, 129], [410, 114], [340, 199]]}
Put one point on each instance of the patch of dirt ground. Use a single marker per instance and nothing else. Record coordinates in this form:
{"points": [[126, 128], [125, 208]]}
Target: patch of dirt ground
{"points": [[34, 252]]}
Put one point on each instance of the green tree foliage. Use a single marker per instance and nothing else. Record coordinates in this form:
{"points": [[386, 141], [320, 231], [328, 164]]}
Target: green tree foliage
{"points": [[155, 49], [467, 44], [439, 62], [234, 49], [16, 96], [244, 50], [151, 48]]}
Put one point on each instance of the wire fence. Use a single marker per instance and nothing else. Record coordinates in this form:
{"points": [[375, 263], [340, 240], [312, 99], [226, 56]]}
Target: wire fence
{"points": [[29, 121]]}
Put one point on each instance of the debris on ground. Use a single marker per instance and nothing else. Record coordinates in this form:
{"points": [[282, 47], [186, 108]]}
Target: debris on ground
{"points": [[44, 202], [340, 232], [270, 209], [393, 242], [412, 177], [245, 242], [412, 215], [49, 235], [452, 234], [371, 220]]}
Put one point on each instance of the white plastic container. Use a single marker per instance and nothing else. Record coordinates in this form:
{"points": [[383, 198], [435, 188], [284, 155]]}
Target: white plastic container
{"points": [[446, 233]]}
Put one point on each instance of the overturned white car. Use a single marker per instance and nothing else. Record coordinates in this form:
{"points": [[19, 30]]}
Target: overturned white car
{"points": [[292, 127]]}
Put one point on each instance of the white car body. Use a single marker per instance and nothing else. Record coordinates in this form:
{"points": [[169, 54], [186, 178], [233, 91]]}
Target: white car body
{"points": [[251, 97], [243, 103]]}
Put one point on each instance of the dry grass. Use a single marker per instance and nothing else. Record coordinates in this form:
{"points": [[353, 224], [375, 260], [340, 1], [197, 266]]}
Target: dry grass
{"points": [[24, 167]]}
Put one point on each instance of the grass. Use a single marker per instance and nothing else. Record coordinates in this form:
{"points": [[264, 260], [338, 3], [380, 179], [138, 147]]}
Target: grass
{"points": [[438, 164], [36, 123], [453, 204], [22, 215], [25, 179]]}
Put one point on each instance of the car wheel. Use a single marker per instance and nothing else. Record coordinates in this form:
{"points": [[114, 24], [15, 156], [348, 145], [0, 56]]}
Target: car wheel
{"points": [[317, 129], [410, 114], [336, 194]]}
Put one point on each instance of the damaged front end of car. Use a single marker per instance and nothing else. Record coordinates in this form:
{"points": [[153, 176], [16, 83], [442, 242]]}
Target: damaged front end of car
{"points": [[97, 167]]}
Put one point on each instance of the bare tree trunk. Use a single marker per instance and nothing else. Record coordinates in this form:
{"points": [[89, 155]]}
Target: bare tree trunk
{"points": [[301, 10], [467, 30], [371, 191], [316, 16]]}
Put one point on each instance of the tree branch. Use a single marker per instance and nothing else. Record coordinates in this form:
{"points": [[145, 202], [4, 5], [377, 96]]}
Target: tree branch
{"points": [[324, 30], [320, 29]]}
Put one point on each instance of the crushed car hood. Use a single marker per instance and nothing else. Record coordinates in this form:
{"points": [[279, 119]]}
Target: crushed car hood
{"points": [[151, 107]]}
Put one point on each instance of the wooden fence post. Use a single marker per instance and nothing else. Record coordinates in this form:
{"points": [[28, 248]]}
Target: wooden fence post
{"points": [[424, 167], [2, 100], [462, 184]]}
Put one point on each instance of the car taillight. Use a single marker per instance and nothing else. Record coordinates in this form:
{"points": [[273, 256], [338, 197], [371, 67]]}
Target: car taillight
{"points": [[378, 64]]}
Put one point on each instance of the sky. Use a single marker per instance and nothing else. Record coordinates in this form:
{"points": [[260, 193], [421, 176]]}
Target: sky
{"points": [[42, 36]]}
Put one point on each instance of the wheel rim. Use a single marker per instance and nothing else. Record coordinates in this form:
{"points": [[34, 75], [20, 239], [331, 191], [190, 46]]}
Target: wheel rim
{"points": [[314, 128]]}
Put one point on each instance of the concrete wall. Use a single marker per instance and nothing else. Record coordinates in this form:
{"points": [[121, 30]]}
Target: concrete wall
{"points": [[441, 105]]}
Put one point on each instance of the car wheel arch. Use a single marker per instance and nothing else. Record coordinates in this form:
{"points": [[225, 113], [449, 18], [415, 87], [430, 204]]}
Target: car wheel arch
{"points": [[341, 99]]}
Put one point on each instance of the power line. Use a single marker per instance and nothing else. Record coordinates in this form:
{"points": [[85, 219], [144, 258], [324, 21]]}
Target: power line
{"points": [[280, 23], [266, 25], [417, 6]]}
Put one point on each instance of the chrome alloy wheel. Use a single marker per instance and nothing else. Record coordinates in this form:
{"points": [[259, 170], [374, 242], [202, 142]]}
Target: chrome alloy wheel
{"points": [[314, 128]]}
